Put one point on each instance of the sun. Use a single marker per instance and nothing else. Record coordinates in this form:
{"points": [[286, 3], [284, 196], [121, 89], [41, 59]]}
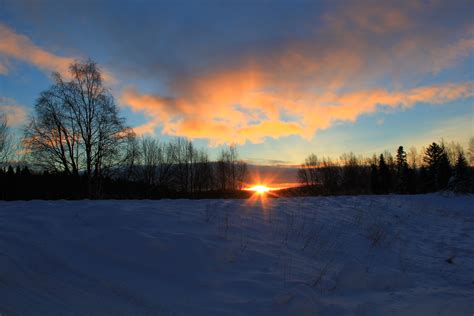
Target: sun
{"points": [[260, 189]]}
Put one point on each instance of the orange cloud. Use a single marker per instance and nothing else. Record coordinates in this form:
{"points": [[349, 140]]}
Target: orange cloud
{"points": [[349, 106], [194, 128], [21, 47], [13, 45], [16, 114], [147, 128], [225, 122], [275, 129], [3, 67], [154, 106], [308, 84]]}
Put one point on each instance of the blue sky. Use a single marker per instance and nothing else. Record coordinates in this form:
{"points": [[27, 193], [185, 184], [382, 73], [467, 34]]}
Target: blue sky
{"points": [[281, 79]]}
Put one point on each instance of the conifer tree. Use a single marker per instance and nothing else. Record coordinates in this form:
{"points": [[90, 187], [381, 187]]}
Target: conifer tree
{"points": [[444, 171], [439, 168], [402, 171], [384, 176], [374, 179], [460, 180], [460, 168]]}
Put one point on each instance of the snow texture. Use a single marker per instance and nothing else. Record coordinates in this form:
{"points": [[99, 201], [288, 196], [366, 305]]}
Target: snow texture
{"points": [[364, 255]]}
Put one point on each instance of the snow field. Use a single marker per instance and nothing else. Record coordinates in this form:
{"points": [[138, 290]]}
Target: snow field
{"points": [[348, 255]]}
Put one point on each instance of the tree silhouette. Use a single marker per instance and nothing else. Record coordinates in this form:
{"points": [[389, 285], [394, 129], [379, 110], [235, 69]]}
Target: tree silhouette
{"points": [[308, 173], [444, 172], [150, 158], [231, 173], [76, 127], [470, 151], [351, 169], [403, 171], [374, 179], [330, 176], [385, 179], [5, 140], [460, 182], [439, 168]]}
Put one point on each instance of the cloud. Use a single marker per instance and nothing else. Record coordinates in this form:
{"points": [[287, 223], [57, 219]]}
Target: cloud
{"points": [[381, 18], [349, 106], [3, 69], [3, 66], [257, 132], [431, 54], [17, 46], [147, 128], [226, 122], [16, 114], [337, 73], [20, 47], [357, 58], [447, 56]]}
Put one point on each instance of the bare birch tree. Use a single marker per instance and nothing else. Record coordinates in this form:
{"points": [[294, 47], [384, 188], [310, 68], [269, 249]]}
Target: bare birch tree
{"points": [[231, 172], [309, 173], [76, 127], [5, 140]]}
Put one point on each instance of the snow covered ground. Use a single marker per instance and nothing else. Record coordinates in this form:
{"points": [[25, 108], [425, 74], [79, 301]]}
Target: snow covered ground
{"points": [[365, 255]]}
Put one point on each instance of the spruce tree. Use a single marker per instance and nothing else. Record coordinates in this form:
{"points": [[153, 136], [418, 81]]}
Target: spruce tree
{"points": [[374, 179], [384, 176], [402, 170], [460, 169], [444, 171], [460, 180], [432, 156], [25, 171], [439, 168]]}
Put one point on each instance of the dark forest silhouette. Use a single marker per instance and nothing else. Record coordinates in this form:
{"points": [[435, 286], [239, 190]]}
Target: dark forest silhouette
{"points": [[384, 174]]}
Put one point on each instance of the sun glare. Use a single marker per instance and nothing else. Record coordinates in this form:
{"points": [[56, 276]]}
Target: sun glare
{"points": [[260, 195], [260, 189]]}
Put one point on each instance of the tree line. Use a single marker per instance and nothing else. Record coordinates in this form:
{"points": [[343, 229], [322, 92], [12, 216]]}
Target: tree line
{"points": [[159, 170], [439, 167], [77, 145]]}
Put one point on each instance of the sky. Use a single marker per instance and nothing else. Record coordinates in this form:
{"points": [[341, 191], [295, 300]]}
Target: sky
{"points": [[282, 79]]}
